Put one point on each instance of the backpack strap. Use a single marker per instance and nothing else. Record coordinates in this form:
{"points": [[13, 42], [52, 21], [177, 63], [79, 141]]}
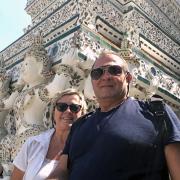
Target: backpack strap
{"points": [[157, 107]]}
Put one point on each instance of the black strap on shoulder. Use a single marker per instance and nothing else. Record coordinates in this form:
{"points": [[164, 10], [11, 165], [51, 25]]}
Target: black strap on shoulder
{"points": [[157, 107]]}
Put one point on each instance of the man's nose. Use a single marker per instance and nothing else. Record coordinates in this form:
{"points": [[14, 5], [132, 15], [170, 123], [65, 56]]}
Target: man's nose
{"points": [[106, 74]]}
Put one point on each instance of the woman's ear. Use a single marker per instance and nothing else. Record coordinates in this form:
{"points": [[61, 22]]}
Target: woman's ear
{"points": [[128, 77]]}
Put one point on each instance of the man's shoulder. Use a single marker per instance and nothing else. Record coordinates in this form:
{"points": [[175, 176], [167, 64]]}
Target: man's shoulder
{"points": [[132, 102], [83, 119]]}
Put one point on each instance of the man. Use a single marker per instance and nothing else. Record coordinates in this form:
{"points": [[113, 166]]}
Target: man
{"points": [[119, 141]]}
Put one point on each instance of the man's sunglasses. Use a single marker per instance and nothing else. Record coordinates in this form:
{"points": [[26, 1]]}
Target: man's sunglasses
{"points": [[62, 107], [114, 70]]}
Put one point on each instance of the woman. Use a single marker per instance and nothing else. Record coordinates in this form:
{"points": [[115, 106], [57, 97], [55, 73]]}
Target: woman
{"points": [[39, 155]]}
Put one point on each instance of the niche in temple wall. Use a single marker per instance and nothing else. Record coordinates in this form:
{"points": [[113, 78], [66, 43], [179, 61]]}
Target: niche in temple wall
{"points": [[109, 32]]}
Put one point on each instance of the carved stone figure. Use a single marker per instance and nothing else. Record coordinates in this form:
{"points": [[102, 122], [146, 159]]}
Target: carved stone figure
{"points": [[4, 93], [29, 103], [39, 87], [5, 79]]}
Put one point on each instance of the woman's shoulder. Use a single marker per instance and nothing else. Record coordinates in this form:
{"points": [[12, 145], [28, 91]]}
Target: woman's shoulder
{"points": [[41, 137]]}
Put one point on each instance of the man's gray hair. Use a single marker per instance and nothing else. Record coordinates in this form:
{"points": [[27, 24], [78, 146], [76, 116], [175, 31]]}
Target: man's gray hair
{"points": [[106, 53]]}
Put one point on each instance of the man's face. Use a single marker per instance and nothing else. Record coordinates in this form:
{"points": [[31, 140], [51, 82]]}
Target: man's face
{"points": [[108, 86]]}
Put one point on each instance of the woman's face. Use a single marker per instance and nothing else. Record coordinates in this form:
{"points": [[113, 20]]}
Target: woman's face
{"points": [[64, 116]]}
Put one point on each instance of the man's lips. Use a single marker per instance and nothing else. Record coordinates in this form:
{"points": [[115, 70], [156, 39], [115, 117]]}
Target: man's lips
{"points": [[106, 85]]}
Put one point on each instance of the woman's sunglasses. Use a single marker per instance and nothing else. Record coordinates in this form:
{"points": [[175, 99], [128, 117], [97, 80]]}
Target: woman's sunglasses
{"points": [[62, 107], [114, 70]]}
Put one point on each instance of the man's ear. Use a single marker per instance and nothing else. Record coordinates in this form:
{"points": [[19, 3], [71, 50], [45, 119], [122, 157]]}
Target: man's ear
{"points": [[128, 77]]}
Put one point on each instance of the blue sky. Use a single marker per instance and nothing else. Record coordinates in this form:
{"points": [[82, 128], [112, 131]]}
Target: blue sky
{"points": [[13, 19]]}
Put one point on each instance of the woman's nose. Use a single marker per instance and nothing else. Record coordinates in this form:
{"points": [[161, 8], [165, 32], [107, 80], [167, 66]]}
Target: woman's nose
{"points": [[68, 110]]}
